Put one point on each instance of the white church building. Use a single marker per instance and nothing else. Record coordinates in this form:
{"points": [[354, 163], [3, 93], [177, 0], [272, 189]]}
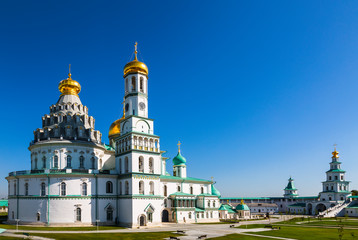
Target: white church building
{"points": [[75, 179]]}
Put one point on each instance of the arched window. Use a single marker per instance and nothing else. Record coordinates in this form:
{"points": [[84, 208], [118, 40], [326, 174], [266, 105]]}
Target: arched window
{"points": [[120, 188], [69, 161], [43, 189], [109, 187], [141, 84], [332, 188], [213, 203], [120, 165], [178, 188], [141, 164], [192, 203], [165, 190], [335, 177], [35, 163], [93, 163], [38, 217], [165, 203], [44, 162], [151, 187], [126, 84], [26, 189], [84, 189], [55, 161], [126, 165], [14, 188], [202, 190], [330, 178], [78, 214], [109, 214], [141, 187], [151, 165], [127, 188], [189, 215], [211, 214], [63, 189], [191, 190], [326, 188], [82, 162], [209, 203], [133, 84]]}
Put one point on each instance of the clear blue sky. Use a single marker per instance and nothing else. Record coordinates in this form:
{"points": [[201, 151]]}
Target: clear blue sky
{"points": [[256, 91]]}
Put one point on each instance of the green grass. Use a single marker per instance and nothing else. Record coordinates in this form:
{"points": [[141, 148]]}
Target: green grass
{"points": [[100, 236], [333, 222], [303, 233], [239, 236], [43, 228], [249, 226]]}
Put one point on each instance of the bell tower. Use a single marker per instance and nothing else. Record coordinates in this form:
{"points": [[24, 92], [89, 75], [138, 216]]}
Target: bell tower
{"points": [[136, 87]]}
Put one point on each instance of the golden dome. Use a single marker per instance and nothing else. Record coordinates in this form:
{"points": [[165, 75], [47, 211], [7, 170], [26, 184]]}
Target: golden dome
{"points": [[69, 86], [115, 128], [135, 66], [335, 153]]}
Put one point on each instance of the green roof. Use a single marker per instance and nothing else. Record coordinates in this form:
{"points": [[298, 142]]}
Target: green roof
{"points": [[226, 207], [179, 159], [4, 203], [207, 195], [188, 179], [290, 185], [242, 207], [246, 198], [336, 170], [298, 205], [214, 191], [199, 210], [108, 147], [181, 194]]}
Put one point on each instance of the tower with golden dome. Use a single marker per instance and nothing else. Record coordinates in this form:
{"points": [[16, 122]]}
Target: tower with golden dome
{"points": [[335, 188]]}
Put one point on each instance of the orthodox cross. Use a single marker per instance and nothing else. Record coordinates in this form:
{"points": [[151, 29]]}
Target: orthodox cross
{"points": [[179, 146], [335, 146], [135, 51]]}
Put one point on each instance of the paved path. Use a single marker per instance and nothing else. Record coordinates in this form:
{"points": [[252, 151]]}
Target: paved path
{"points": [[192, 231]]}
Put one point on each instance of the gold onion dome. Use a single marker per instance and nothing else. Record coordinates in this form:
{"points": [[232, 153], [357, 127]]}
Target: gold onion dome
{"points": [[135, 66], [115, 128], [335, 153], [69, 86]]}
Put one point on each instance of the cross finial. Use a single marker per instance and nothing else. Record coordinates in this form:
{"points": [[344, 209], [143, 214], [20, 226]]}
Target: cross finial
{"points": [[135, 51], [212, 179], [179, 146], [335, 146], [69, 71]]}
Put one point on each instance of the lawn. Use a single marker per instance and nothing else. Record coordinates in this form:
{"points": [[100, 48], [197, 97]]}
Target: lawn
{"points": [[69, 228], [333, 222], [304, 233], [240, 237], [100, 236]]}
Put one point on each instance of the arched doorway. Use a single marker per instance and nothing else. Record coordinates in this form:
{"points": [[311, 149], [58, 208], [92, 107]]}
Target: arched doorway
{"points": [[320, 208], [165, 216], [142, 221], [309, 209]]}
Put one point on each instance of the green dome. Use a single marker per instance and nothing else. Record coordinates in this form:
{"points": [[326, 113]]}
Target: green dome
{"points": [[214, 191], [179, 160], [242, 207]]}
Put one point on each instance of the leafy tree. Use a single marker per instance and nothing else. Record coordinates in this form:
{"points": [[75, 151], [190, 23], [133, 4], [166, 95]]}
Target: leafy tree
{"points": [[354, 192]]}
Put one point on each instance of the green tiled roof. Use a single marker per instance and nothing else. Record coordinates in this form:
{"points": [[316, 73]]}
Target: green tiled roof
{"points": [[336, 170], [179, 159], [4, 203], [242, 207], [181, 194], [207, 195], [188, 179], [298, 205], [214, 191], [226, 207], [290, 185], [108, 147]]}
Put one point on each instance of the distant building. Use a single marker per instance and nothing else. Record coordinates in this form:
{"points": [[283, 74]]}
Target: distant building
{"points": [[4, 206]]}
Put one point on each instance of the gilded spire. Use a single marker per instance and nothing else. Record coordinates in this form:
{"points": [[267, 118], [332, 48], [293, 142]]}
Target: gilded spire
{"points": [[135, 51], [335, 152], [179, 146], [124, 111], [242, 202], [69, 86]]}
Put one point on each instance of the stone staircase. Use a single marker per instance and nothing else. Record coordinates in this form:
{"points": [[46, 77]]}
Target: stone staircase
{"points": [[334, 211]]}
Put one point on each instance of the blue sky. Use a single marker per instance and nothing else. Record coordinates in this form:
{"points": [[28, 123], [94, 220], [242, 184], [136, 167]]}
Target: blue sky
{"points": [[256, 91]]}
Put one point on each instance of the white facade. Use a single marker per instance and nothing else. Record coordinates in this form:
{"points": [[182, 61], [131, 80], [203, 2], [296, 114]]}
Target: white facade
{"points": [[77, 180]]}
